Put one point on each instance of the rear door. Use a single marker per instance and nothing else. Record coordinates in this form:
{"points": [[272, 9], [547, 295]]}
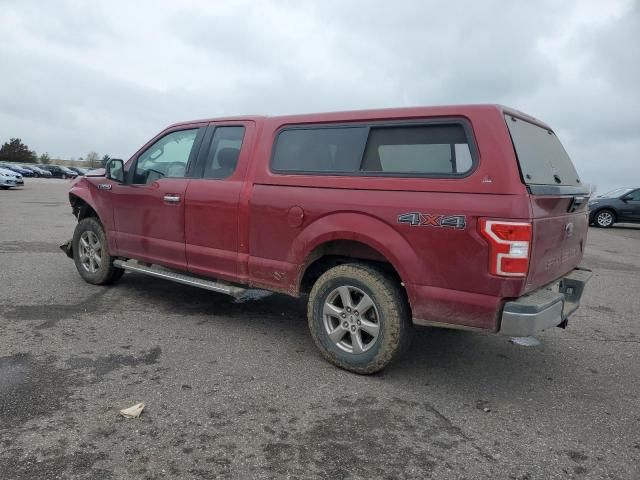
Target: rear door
{"points": [[558, 201], [212, 216]]}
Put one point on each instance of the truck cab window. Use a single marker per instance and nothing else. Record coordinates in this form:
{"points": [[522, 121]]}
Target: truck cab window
{"points": [[168, 157], [224, 151]]}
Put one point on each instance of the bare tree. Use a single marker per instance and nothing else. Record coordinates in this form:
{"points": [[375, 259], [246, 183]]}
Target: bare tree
{"points": [[93, 160]]}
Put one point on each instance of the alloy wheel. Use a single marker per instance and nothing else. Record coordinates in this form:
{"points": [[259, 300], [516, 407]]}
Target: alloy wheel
{"points": [[604, 219], [90, 251], [351, 319]]}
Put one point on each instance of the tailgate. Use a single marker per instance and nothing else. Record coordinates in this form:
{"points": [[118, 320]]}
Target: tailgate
{"points": [[558, 240]]}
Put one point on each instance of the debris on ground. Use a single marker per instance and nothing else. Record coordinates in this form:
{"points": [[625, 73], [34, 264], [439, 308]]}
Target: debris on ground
{"points": [[133, 412], [525, 341]]}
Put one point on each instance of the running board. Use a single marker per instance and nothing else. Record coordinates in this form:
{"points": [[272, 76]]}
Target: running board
{"points": [[185, 279]]}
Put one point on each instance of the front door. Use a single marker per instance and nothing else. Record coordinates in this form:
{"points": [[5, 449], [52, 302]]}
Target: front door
{"points": [[149, 207], [631, 206]]}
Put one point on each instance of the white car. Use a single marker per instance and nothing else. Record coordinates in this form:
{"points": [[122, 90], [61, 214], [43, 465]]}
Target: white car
{"points": [[9, 178]]}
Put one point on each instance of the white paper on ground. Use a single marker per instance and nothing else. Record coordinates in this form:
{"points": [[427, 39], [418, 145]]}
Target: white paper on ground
{"points": [[133, 412], [525, 341]]}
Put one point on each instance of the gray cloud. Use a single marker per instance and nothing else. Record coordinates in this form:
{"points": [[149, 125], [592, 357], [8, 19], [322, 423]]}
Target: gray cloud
{"points": [[106, 76]]}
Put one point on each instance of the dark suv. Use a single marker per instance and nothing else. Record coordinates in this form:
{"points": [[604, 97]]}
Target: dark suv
{"points": [[621, 205]]}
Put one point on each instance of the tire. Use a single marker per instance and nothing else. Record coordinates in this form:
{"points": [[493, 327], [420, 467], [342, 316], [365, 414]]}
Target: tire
{"points": [[388, 315], [90, 254], [605, 218]]}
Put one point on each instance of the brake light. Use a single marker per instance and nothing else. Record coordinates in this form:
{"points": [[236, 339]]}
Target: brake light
{"points": [[510, 246]]}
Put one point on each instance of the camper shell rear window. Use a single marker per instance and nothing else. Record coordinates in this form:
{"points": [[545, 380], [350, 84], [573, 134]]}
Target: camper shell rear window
{"points": [[541, 157]]}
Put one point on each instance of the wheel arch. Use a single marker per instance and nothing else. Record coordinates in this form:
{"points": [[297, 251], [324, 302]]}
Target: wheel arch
{"points": [[81, 207], [86, 203], [609, 208], [333, 240]]}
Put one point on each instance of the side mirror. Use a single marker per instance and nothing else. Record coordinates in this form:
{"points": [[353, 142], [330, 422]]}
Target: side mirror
{"points": [[626, 198], [115, 170]]}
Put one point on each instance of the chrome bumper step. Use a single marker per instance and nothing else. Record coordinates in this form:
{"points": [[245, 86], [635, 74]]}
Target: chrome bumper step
{"points": [[184, 278]]}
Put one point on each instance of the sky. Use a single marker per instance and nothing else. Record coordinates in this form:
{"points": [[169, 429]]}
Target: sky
{"points": [[106, 76]]}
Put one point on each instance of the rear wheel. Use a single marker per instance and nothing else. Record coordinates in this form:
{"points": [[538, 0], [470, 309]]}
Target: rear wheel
{"points": [[359, 318], [90, 253], [604, 218]]}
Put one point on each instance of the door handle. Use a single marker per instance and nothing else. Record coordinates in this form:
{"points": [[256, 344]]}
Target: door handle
{"points": [[172, 198]]}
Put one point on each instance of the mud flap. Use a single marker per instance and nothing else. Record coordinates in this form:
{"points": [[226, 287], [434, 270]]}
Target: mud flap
{"points": [[67, 248]]}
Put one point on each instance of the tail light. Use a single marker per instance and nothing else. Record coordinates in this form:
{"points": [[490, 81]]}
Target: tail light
{"points": [[510, 244]]}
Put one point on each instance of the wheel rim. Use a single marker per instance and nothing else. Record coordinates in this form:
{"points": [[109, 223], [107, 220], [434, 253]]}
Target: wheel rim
{"points": [[605, 219], [351, 319], [90, 251]]}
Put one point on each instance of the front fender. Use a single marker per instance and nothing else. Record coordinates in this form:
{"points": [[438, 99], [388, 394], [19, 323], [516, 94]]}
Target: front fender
{"points": [[85, 191]]}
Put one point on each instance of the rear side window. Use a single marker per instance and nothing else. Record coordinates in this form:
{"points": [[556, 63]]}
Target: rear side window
{"points": [[422, 150], [319, 149], [224, 150], [542, 158], [440, 149]]}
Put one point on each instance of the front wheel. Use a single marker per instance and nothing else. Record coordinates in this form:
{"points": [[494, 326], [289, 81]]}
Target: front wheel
{"points": [[604, 218], [90, 253], [359, 318]]}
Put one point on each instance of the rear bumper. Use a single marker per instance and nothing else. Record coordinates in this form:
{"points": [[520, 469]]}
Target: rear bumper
{"points": [[547, 307]]}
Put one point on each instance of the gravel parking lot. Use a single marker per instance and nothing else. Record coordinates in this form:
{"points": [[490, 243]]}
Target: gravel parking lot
{"points": [[236, 389]]}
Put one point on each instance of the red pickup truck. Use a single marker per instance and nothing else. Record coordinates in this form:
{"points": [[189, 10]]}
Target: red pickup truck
{"points": [[468, 217]]}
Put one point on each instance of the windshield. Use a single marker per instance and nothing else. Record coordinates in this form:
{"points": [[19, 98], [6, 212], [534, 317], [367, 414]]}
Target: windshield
{"points": [[618, 192], [542, 158]]}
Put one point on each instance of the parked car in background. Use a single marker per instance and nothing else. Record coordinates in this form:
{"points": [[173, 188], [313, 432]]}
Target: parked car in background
{"points": [[38, 172], [385, 219], [25, 172], [80, 171], [58, 171], [618, 206], [9, 178]]}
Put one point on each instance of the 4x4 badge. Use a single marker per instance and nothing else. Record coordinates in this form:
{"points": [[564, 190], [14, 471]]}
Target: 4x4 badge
{"points": [[417, 219]]}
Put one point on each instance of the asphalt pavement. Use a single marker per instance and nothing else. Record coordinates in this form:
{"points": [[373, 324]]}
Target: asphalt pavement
{"points": [[236, 389]]}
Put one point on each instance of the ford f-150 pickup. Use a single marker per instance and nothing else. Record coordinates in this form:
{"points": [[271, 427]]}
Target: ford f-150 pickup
{"points": [[467, 217]]}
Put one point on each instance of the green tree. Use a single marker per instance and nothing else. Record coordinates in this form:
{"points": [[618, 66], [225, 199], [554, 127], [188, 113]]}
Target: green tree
{"points": [[16, 151], [105, 159], [44, 159]]}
